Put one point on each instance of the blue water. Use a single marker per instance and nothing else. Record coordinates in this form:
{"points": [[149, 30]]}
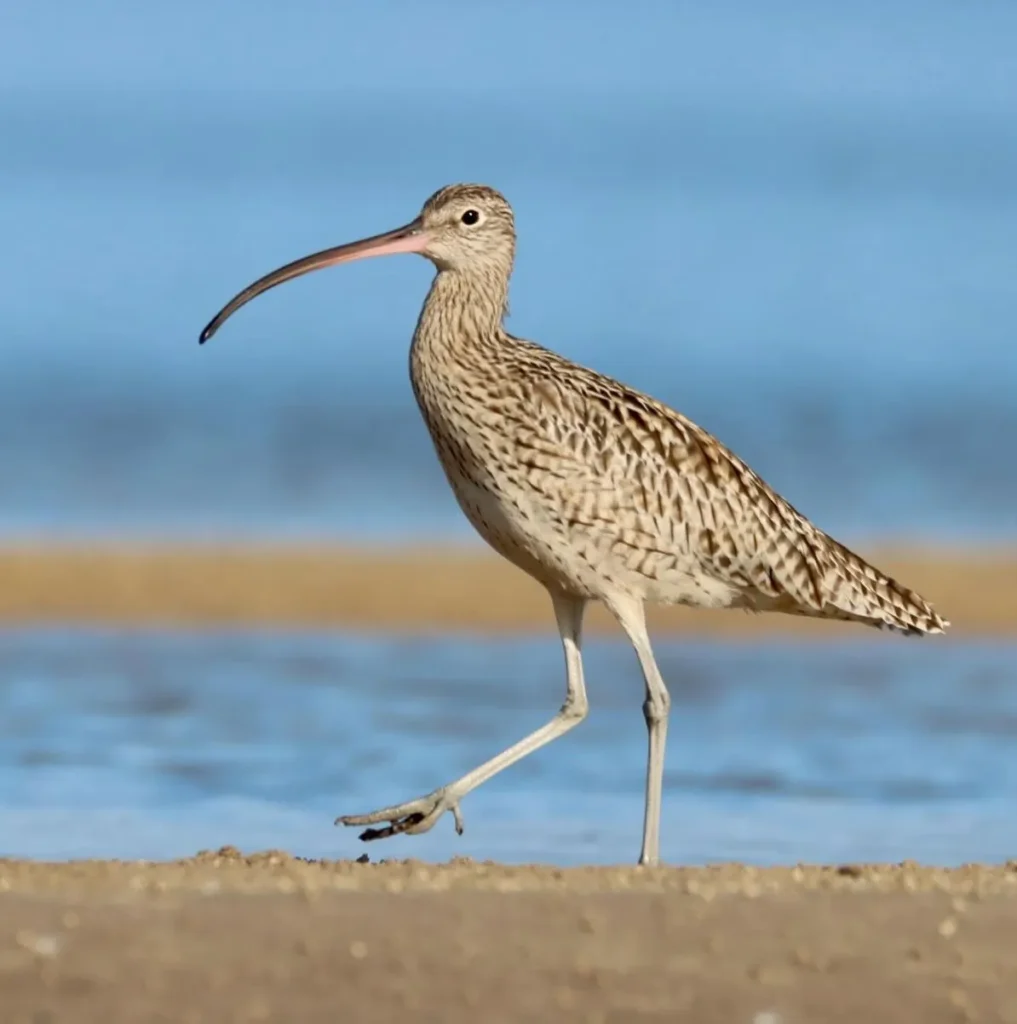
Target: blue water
{"points": [[159, 744], [795, 222]]}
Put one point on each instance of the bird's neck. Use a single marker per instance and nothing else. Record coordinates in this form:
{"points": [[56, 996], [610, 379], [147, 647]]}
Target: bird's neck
{"points": [[463, 312]]}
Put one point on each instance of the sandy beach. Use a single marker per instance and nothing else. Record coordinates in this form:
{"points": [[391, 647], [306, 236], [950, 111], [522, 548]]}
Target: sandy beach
{"points": [[227, 937], [417, 590]]}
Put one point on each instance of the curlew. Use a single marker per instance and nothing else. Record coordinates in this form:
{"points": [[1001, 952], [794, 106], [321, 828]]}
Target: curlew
{"points": [[599, 492]]}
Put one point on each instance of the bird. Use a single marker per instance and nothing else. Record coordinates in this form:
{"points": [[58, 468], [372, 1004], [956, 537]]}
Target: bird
{"points": [[597, 490]]}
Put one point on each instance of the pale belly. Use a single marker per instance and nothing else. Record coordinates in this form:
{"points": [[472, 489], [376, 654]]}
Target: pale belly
{"points": [[524, 536], [575, 563]]}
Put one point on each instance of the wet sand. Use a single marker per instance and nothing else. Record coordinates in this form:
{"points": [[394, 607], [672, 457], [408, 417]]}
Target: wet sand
{"points": [[224, 937], [417, 590]]}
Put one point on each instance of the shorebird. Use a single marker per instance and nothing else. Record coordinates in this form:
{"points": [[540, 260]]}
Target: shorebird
{"points": [[598, 491]]}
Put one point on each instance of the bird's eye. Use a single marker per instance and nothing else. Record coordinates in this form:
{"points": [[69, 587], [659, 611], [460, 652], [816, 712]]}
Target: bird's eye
{"points": [[470, 217]]}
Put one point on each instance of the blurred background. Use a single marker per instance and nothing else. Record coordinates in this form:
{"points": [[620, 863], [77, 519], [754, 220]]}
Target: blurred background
{"points": [[794, 221]]}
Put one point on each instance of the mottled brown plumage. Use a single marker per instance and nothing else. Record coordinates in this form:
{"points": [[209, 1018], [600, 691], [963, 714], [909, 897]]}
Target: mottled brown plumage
{"points": [[593, 488]]}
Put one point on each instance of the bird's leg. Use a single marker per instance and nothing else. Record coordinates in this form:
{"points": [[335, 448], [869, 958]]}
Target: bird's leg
{"points": [[416, 816], [632, 618]]}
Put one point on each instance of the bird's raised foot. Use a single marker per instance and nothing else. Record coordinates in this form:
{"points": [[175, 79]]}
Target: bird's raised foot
{"points": [[413, 817]]}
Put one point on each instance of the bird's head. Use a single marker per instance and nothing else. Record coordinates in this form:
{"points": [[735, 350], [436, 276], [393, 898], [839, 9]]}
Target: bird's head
{"points": [[462, 229]]}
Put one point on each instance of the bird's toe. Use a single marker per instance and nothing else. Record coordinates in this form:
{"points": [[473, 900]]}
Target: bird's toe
{"points": [[413, 817]]}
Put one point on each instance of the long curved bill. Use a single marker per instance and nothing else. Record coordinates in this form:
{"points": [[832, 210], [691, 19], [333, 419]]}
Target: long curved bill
{"points": [[409, 238]]}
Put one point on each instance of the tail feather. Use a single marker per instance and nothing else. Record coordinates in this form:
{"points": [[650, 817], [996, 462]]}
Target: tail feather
{"points": [[863, 593]]}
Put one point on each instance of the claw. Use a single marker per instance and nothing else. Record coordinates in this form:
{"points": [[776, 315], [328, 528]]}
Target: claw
{"points": [[457, 816]]}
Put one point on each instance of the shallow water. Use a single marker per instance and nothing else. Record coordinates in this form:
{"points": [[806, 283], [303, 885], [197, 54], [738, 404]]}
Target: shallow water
{"points": [[158, 744]]}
